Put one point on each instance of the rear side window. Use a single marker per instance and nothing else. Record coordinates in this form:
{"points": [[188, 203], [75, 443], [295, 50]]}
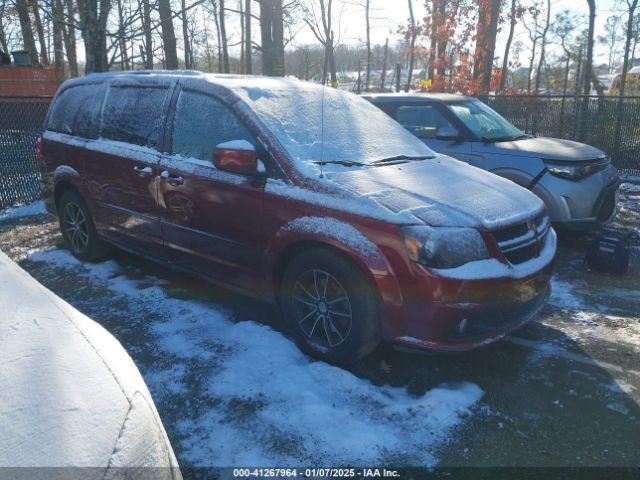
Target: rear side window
{"points": [[77, 111], [202, 122], [133, 114], [422, 120]]}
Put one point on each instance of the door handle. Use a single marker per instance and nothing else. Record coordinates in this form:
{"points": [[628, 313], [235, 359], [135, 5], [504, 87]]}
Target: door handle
{"points": [[171, 180], [143, 171]]}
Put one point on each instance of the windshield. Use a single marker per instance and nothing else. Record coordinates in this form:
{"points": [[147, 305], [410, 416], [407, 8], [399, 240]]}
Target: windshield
{"points": [[485, 122], [354, 131]]}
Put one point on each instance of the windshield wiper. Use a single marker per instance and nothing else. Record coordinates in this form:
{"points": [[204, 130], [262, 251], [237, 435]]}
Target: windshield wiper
{"points": [[346, 163], [509, 138], [402, 158]]}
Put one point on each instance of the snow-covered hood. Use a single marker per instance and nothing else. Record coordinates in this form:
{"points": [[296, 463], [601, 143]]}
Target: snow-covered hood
{"points": [[543, 147], [443, 192]]}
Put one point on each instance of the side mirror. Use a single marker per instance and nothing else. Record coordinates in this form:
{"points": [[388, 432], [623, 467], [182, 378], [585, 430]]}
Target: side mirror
{"points": [[447, 133], [238, 156]]}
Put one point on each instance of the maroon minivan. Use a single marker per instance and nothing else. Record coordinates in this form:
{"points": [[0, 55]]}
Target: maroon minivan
{"points": [[305, 196]]}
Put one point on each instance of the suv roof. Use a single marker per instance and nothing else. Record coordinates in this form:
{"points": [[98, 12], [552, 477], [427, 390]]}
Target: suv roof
{"points": [[225, 80], [404, 97]]}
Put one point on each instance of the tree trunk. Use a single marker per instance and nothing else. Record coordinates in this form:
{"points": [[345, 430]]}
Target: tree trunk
{"points": [[368, 74], [248, 68], [383, 75], [489, 42], [69, 32], [543, 40], [412, 46], [168, 35], [27, 33], [223, 39], [625, 69], [588, 70], [122, 41], [272, 38], [148, 38], [3, 36], [58, 52], [93, 25], [533, 58], [435, 10], [185, 37], [44, 57], [505, 59]]}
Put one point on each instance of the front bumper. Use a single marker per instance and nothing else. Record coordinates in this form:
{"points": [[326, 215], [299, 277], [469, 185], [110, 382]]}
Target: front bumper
{"points": [[465, 314], [580, 205]]}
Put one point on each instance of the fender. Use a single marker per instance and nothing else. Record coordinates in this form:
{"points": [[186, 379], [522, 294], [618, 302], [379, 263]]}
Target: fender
{"points": [[69, 175], [350, 240], [333, 232]]}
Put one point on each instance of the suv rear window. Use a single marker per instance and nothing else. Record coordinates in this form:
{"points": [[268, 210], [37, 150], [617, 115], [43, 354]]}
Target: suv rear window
{"points": [[77, 111], [133, 114]]}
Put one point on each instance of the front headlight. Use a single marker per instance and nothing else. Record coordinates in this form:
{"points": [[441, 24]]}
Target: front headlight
{"points": [[575, 171], [444, 247]]}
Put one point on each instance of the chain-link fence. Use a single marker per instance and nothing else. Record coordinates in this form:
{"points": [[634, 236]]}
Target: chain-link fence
{"points": [[601, 122], [21, 120]]}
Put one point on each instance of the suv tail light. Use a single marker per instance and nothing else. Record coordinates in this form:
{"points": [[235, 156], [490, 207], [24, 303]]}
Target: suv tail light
{"points": [[39, 150]]}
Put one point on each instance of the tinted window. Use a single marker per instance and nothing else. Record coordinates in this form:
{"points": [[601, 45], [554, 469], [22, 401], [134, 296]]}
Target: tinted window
{"points": [[201, 123], [77, 111], [134, 114], [421, 120]]}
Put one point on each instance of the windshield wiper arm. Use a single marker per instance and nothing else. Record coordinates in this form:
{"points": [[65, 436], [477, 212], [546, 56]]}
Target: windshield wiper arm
{"points": [[346, 163], [504, 139], [405, 158]]}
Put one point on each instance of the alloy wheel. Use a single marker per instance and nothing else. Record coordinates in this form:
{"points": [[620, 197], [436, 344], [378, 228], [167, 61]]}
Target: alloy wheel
{"points": [[322, 309], [75, 227]]}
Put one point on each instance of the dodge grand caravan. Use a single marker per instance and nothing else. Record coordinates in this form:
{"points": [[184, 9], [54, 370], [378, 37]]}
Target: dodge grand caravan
{"points": [[305, 196]]}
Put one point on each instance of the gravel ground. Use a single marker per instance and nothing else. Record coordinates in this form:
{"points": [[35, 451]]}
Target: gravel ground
{"points": [[562, 392]]}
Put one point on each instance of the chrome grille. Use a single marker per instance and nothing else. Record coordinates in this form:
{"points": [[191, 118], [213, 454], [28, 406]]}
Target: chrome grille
{"points": [[522, 242]]}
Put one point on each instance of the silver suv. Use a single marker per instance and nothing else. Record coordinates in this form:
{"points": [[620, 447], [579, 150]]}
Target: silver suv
{"points": [[576, 182]]}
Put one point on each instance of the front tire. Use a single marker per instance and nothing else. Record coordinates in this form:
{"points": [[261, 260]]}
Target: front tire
{"points": [[330, 306], [78, 229]]}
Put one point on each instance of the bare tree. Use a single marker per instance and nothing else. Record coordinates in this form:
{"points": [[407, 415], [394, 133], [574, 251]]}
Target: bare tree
{"points": [[168, 35], [413, 34], [513, 16], [35, 8], [383, 75], [57, 13], [368, 27], [223, 39], [248, 47], [27, 32], [321, 24], [632, 5], [148, 38], [3, 36], [543, 42], [69, 33]]}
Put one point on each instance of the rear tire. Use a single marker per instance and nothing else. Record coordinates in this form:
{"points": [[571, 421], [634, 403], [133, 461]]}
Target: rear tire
{"points": [[330, 306], [78, 229]]}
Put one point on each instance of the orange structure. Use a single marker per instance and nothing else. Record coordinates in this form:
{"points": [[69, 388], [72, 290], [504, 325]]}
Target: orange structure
{"points": [[27, 80]]}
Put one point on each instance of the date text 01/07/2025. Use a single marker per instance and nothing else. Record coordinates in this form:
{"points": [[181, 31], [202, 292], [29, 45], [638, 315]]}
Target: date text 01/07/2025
{"points": [[315, 473]]}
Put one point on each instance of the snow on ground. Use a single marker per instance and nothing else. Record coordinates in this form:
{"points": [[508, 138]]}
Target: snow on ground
{"points": [[35, 208], [262, 401]]}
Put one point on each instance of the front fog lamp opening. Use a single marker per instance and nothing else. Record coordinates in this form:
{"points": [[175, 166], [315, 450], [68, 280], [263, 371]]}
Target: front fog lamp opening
{"points": [[444, 247]]}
